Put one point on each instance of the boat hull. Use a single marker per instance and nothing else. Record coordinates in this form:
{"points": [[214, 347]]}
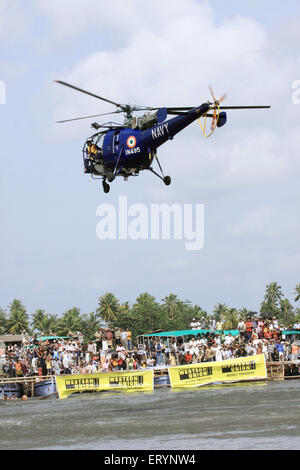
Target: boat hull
{"points": [[45, 388], [160, 380], [9, 389]]}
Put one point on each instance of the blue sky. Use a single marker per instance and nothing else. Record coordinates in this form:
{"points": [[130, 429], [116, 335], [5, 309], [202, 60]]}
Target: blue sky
{"points": [[158, 54]]}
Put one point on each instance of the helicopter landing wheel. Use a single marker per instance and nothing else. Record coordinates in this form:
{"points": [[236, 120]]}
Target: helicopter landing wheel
{"points": [[106, 187], [167, 180]]}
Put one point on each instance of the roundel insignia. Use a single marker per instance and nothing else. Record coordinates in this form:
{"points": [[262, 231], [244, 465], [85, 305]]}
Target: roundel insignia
{"points": [[131, 142]]}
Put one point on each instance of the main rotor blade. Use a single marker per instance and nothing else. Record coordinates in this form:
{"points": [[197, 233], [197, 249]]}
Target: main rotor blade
{"points": [[175, 108], [189, 108], [87, 93], [245, 107], [88, 117], [177, 113]]}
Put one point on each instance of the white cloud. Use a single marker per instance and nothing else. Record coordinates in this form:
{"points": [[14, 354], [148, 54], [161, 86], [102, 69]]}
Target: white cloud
{"points": [[14, 22], [169, 57], [267, 222], [71, 18]]}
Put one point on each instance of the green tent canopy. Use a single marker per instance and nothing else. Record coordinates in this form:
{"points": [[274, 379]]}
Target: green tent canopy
{"points": [[176, 334], [44, 338], [296, 332]]}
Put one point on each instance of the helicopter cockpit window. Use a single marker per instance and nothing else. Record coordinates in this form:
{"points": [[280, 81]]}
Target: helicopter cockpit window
{"points": [[93, 148], [116, 142]]}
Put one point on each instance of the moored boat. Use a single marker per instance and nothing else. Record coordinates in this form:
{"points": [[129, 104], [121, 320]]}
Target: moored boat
{"points": [[45, 388], [161, 377], [10, 389], [161, 380]]}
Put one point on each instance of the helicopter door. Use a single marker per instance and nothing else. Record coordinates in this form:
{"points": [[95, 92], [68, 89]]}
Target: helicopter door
{"points": [[116, 142]]}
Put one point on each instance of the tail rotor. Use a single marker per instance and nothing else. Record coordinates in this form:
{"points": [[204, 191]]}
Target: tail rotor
{"points": [[216, 108]]}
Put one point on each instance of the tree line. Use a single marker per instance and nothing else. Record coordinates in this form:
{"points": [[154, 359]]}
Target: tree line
{"points": [[143, 316]]}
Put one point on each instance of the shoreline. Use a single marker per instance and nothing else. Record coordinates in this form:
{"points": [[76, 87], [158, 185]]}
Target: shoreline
{"points": [[276, 371]]}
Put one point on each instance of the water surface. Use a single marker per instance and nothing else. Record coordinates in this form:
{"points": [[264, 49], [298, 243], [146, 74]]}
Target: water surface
{"points": [[237, 416]]}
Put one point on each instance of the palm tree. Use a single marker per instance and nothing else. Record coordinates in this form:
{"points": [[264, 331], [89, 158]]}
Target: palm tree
{"points": [[148, 314], [108, 307], [198, 312], [297, 292], [231, 319], [18, 319], [124, 309], [53, 319], [90, 324], [220, 312], [287, 311], [124, 318], [185, 315], [37, 319], [45, 326], [244, 313], [70, 322], [272, 297], [3, 321], [171, 305]]}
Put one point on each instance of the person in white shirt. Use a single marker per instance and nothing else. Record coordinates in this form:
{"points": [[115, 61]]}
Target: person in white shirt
{"points": [[150, 362], [123, 337], [56, 367], [229, 339], [94, 368], [91, 347], [212, 324], [223, 353], [193, 324], [218, 352], [65, 359], [228, 353], [203, 342], [193, 347]]}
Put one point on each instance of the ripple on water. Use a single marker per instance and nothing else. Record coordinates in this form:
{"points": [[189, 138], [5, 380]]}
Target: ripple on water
{"points": [[221, 417]]}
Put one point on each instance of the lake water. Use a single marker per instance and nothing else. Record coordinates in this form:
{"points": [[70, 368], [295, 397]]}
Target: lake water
{"points": [[234, 417]]}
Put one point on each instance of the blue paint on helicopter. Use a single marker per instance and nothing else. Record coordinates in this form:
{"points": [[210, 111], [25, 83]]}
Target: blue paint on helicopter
{"points": [[147, 141], [126, 150]]}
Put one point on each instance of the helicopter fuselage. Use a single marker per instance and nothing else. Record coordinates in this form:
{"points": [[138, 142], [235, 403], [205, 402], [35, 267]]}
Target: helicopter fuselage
{"points": [[127, 148]]}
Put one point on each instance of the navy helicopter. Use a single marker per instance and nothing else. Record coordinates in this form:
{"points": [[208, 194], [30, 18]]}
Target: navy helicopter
{"points": [[125, 150]]}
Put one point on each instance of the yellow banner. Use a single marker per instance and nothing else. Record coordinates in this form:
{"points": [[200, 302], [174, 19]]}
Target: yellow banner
{"points": [[107, 381], [232, 370]]}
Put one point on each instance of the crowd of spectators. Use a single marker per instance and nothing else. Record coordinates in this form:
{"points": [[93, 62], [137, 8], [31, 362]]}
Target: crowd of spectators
{"points": [[254, 336], [112, 349]]}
